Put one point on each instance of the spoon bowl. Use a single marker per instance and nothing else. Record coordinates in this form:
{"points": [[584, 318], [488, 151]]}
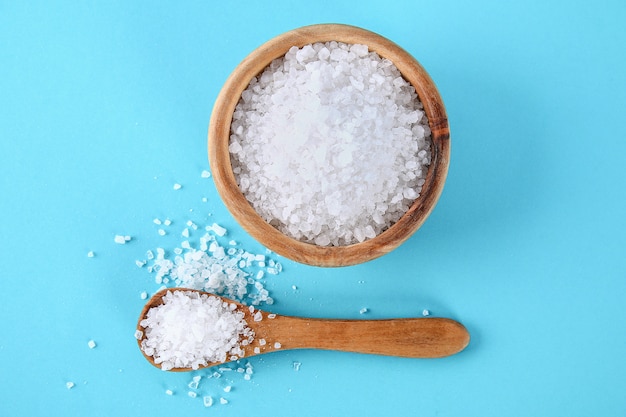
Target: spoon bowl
{"points": [[424, 337]]}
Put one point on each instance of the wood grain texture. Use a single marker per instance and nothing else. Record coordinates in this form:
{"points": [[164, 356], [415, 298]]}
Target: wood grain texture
{"points": [[404, 337], [244, 213]]}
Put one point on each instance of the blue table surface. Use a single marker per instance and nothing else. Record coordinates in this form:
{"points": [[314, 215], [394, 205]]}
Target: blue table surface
{"points": [[105, 105]]}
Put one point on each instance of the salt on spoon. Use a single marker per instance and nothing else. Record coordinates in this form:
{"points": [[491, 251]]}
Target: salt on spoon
{"points": [[174, 333]]}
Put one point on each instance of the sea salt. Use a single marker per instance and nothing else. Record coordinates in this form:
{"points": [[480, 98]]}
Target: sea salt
{"points": [[177, 186], [205, 174], [91, 344], [119, 239], [338, 139], [207, 401], [70, 385], [90, 254], [425, 313], [213, 331]]}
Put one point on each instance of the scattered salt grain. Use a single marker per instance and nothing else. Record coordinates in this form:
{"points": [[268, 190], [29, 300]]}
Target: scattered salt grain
{"points": [[363, 310], [338, 139], [120, 239], [140, 264], [228, 388], [207, 401], [167, 222], [138, 334], [143, 295], [185, 232], [195, 382], [217, 229], [91, 344], [296, 366], [90, 254], [277, 345], [169, 392], [214, 335], [223, 401], [205, 174], [192, 394], [177, 186], [425, 313], [271, 316], [157, 221], [161, 232], [70, 385]]}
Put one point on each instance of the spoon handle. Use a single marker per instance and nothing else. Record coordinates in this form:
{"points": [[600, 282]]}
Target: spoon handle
{"points": [[410, 337]]}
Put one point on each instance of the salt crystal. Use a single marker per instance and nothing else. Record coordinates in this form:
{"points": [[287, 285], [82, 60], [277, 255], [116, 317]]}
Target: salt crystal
{"points": [[425, 313], [277, 345], [192, 394], [167, 222], [138, 334], [90, 254], [228, 388], [296, 366], [223, 401], [161, 232], [177, 186], [207, 401], [185, 232], [271, 316], [205, 174], [363, 310], [139, 263], [91, 344], [70, 385], [143, 295], [157, 221], [169, 392], [119, 239]]}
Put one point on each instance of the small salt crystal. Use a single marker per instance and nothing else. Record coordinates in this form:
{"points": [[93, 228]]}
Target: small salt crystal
{"points": [[90, 254], [169, 392], [271, 316], [70, 385], [363, 310], [219, 230], [167, 222], [143, 295], [161, 232], [156, 221], [205, 174], [228, 388], [185, 232], [139, 263], [192, 394], [91, 344], [120, 239], [258, 316], [177, 186], [204, 199], [425, 313], [138, 334], [207, 401], [223, 400], [127, 238], [293, 287], [257, 350], [296, 366], [277, 345], [232, 243], [262, 342]]}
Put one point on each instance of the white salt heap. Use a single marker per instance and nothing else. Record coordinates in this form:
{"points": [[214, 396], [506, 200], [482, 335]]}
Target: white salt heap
{"points": [[330, 144], [191, 329]]}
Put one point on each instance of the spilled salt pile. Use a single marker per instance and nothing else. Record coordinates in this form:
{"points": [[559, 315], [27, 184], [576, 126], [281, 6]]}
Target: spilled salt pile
{"points": [[330, 144], [191, 329]]}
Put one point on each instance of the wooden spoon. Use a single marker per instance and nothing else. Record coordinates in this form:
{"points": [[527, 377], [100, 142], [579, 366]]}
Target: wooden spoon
{"points": [[406, 337]]}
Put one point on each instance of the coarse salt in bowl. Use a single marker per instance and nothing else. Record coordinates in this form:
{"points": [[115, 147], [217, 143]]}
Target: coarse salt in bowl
{"points": [[286, 156]]}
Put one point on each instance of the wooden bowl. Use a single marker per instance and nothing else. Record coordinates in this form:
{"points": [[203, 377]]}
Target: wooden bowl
{"points": [[244, 213]]}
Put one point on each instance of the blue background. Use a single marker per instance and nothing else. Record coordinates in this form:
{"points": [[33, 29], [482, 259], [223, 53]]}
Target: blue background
{"points": [[105, 105]]}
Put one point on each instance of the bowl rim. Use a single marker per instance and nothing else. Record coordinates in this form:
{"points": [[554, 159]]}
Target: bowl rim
{"points": [[245, 214]]}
